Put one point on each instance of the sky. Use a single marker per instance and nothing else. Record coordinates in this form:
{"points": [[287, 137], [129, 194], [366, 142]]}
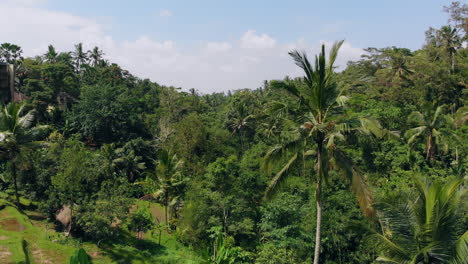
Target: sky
{"points": [[216, 45]]}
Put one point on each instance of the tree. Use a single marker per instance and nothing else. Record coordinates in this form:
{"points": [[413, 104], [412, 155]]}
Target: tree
{"points": [[451, 42], [319, 102], [10, 53], [17, 136], [430, 126], [166, 182], [239, 120], [140, 221], [425, 229], [51, 55], [223, 253], [106, 114], [398, 59], [78, 178], [459, 15], [95, 56], [80, 56]]}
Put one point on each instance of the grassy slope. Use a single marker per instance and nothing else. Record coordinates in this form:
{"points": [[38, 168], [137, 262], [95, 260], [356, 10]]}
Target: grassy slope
{"points": [[27, 238]]}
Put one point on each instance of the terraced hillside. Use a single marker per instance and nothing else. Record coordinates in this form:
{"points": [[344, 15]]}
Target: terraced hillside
{"points": [[26, 237]]}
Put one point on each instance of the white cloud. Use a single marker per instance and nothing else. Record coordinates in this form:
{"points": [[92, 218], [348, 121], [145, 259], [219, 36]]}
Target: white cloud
{"points": [[217, 46], [165, 13], [213, 66], [251, 40]]}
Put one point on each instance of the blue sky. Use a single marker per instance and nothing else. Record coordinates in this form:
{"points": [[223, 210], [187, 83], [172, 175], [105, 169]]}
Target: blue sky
{"points": [[233, 44], [363, 22]]}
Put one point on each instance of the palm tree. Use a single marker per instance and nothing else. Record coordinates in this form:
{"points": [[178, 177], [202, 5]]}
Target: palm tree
{"points": [[398, 66], [239, 121], [17, 135], [95, 56], [10, 53], [51, 55], [65, 58], [459, 119], [425, 229], [430, 126], [320, 129], [167, 181], [129, 163], [80, 56], [451, 42]]}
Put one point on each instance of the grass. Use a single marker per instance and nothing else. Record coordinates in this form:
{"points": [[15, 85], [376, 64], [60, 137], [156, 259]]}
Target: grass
{"points": [[26, 237]]}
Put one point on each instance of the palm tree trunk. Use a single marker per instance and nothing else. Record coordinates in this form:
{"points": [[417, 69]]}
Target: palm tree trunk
{"points": [[452, 62], [70, 225], [165, 214], [318, 200], [430, 150], [319, 220], [241, 142], [15, 183]]}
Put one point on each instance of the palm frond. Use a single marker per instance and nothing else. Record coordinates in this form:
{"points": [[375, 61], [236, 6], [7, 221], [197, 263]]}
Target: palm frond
{"points": [[341, 100], [358, 183], [461, 250], [334, 54], [391, 251], [437, 114], [417, 118], [280, 176], [373, 126], [291, 88], [280, 152], [301, 60], [414, 134]]}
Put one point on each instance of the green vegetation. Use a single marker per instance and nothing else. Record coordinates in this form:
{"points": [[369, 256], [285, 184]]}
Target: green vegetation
{"points": [[367, 165]]}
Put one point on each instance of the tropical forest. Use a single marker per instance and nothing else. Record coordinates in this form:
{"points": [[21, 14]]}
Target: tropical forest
{"points": [[365, 163]]}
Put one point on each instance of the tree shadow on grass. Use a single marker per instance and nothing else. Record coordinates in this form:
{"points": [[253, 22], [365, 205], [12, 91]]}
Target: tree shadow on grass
{"points": [[126, 248]]}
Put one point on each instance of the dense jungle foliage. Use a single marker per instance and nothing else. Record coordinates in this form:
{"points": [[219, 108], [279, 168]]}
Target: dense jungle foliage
{"points": [[365, 165]]}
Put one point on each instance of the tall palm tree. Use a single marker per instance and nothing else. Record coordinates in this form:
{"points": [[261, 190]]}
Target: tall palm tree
{"points": [[51, 55], [10, 53], [167, 181], [430, 127], [426, 229], [95, 56], [318, 128], [239, 121], [80, 56], [459, 119], [17, 135], [451, 42]]}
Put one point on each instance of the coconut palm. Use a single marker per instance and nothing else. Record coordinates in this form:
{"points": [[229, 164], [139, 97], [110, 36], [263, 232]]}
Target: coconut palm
{"points": [[450, 42], [128, 162], [399, 66], [167, 181], [431, 123], [426, 228], [318, 127], [80, 56], [17, 135], [458, 120], [51, 55], [95, 56], [10, 53], [240, 119]]}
